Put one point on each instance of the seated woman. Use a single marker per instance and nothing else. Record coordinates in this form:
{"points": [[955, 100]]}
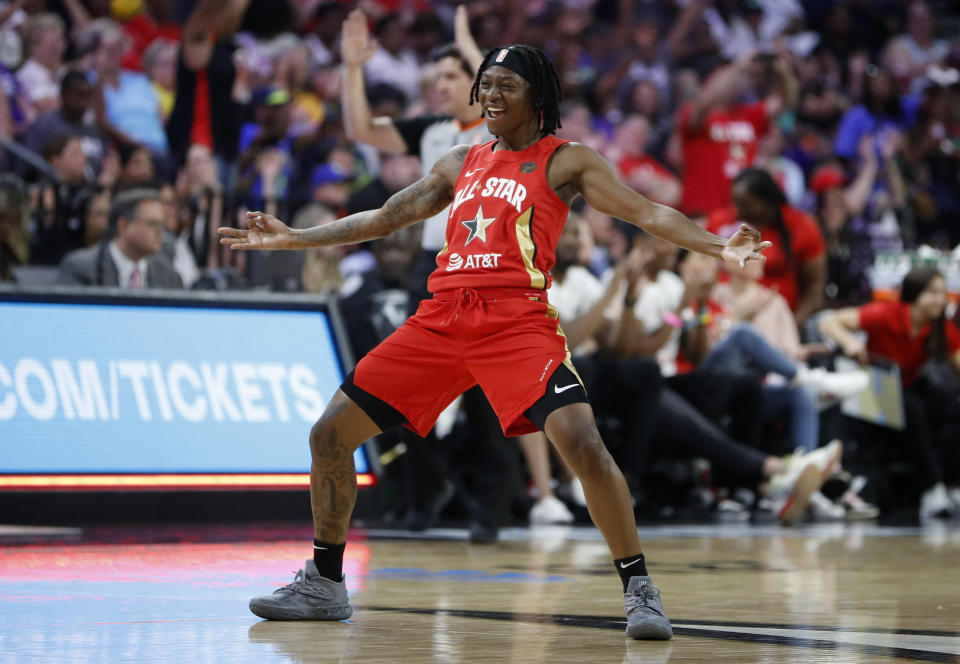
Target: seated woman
{"points": [[765, 310], [715, 341], [911, 333], [653, 419]]}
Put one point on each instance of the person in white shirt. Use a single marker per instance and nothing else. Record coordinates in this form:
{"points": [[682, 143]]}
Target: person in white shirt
{"points": [[908, 55], [44, 44], [394, 61]]}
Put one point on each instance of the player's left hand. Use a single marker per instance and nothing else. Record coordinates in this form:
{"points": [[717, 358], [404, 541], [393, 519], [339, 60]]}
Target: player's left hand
{"points": [[745, 245], [264, 232]]}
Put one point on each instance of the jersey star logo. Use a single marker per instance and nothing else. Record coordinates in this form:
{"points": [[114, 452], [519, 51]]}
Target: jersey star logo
{"points": [[478, 227]]}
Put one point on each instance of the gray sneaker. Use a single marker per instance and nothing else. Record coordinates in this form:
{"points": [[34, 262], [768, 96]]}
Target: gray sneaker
{"points": [[644, 610], [309, 597]]}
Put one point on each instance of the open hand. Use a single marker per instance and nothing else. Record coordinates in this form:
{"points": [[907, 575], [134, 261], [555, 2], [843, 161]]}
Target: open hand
{"points": [[356, 45], [461, 25], [265, 232], [465, 42], [743, 246]]}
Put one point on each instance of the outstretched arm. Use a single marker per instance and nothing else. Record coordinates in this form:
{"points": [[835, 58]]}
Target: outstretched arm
{"points": [[719, 88], [786, 94], [464, 40], [207, 18], [424, 198], [585, 172], [356, 49]]}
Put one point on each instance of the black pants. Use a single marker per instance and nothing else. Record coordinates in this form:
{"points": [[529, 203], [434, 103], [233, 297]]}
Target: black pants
{"points": [[417, 284], [933, 431], [624, 395], [929, 445], [732, 401], [654, 420], [682, 431], [485, 463]]}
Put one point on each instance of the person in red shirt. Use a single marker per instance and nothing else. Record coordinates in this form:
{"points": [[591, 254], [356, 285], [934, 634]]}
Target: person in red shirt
{"points": [[911, 333], [719, 137], [796, 266], [639, 170], [489, 322]]}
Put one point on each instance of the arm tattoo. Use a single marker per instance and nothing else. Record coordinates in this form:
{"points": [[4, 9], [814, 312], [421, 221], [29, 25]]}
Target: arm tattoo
{"points": [[424, 198]]}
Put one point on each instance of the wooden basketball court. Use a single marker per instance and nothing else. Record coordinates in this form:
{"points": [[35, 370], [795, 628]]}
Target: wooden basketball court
{"points": [[735, 593]]}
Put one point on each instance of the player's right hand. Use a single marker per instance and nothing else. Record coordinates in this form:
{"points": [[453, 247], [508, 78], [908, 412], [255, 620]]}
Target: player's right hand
{"points": [[264, 232], [356, 45]]}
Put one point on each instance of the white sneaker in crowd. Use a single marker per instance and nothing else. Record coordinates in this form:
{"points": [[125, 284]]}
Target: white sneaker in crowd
{"points": [[550, 510], [824, 509], [936, 504], [831, 384], [857, 509], [825, 458], [789, 491], [576, 492]]}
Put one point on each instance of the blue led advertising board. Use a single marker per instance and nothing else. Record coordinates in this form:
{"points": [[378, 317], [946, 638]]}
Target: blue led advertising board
{"points": [[178, 386]]}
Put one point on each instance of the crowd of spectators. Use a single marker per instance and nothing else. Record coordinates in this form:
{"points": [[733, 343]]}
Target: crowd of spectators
{"points": [[131, 130]]}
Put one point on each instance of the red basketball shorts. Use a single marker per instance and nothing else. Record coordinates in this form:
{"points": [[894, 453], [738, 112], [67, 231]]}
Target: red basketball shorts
{"points": [[507, 340]]}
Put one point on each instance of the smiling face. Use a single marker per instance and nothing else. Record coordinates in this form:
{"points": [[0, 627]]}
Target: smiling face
{"points": [[505, 100]]}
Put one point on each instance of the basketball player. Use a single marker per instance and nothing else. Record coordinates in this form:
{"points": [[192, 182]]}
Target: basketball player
{"points": [[429, 137], [488, 323]]}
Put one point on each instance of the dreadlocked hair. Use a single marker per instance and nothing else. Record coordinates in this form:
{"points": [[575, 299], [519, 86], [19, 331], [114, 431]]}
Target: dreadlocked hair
{"points": [[762, 185], [544, 84]]}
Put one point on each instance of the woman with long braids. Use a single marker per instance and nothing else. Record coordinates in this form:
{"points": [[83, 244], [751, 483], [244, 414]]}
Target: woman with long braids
{"points": [[488, 323], [912, 332], [796, 265]]}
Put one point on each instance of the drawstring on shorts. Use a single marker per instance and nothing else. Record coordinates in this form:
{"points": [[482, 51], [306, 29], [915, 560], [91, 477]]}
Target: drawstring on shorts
{"points": [[467, 297]]}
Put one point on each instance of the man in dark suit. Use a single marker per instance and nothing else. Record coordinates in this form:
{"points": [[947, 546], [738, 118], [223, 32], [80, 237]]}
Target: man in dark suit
{"points": [[132, 259]]}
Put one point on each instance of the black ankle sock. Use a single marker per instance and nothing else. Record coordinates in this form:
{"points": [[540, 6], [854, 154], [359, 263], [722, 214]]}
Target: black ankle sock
{"points": [[329, 559], [630, 566]]}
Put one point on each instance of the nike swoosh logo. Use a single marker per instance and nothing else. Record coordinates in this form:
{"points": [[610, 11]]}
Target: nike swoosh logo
{"points": [[557, 389], [469, 173], [625, 566]]}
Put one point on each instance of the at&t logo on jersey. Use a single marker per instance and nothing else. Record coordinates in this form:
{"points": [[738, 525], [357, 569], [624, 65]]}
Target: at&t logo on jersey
{"points": [[472, 261]]}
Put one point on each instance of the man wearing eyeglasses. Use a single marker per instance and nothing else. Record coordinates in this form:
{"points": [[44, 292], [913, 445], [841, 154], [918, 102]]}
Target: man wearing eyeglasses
{"points": [[129, 257]]}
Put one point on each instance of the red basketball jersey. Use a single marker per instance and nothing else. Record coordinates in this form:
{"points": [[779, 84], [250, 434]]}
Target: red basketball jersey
{"points": [[504, 222]]}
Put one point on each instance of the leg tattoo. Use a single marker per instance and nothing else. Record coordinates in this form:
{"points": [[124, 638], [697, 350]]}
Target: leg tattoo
{"points": [[333, 479]]}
